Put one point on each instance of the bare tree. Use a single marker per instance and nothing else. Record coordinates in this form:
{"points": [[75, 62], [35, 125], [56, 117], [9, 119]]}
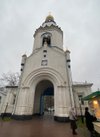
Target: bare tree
{"points": [[10, 79]]}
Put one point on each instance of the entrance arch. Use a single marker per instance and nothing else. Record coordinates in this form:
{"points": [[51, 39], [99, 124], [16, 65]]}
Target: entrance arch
{"points": [[33, 88], [44, 97]]}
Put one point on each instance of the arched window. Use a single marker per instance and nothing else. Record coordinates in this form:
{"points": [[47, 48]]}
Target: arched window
{"points": [[46, 37], [48, 40]]}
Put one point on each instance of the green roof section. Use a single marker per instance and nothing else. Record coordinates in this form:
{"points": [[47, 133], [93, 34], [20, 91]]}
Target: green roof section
{"points": [[92, 95]]}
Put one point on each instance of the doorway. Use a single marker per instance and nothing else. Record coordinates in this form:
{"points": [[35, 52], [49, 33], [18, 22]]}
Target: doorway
{"points": [[44, 98]]}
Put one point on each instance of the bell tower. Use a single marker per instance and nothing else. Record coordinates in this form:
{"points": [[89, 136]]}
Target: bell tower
{"points": [[46, 71]]}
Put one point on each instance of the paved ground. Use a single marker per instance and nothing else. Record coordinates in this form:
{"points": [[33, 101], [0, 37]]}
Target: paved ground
{"points": [[38, 127]]}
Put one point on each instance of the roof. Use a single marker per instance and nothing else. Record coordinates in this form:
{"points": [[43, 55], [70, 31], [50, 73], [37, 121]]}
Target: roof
{"points": [[49, 18], [81, 84], [92, 95]]}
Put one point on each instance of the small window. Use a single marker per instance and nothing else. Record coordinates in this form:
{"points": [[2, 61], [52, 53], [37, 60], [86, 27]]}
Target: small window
{"points": [[44, 55], [68, 66], [80, 99], [0, 99], [68, 60], [46, 38], [44, 50]]}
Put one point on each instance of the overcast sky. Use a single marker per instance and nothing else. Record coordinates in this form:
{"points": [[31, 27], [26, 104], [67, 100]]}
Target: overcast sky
{"points": [[79, 20]]}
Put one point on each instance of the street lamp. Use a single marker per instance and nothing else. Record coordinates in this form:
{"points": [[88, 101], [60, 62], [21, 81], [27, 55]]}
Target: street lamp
{"points": [[81, 110]]}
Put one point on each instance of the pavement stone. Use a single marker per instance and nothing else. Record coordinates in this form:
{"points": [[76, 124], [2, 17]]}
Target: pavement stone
{"points": [[39, 127]]}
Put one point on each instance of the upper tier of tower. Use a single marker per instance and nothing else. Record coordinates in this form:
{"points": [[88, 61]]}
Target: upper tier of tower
{"points": [[48, 32]]}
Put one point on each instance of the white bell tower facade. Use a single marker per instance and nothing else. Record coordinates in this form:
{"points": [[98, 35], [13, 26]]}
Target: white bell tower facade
{"points": [[46, 71]]}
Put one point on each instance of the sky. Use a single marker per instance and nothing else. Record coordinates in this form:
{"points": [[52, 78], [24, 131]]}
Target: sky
{"points": [[79, 20]]}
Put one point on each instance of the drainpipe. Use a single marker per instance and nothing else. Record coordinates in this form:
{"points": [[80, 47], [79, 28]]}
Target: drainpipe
{"points": [[69, 77]]}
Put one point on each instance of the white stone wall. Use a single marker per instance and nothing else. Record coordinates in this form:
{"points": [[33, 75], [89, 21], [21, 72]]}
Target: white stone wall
{"points": [[84, 90], [55, 60], [2, 100], [8, 105]]}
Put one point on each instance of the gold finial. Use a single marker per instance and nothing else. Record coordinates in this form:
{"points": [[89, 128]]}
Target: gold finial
{"points": [[49, 17]]}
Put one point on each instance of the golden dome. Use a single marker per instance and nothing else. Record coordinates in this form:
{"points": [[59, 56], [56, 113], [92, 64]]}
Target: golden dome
{"points": [[49, 18]]}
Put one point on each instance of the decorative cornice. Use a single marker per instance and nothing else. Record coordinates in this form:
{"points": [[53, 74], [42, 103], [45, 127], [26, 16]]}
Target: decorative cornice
{"points": [[61, 86], [82, 84], [47, 28]]}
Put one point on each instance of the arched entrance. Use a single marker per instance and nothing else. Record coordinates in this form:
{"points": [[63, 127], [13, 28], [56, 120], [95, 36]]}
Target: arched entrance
{"points": [[44, 98]]}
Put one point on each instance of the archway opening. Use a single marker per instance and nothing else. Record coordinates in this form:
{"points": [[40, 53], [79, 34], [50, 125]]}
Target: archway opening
{"points": [[44, 98]]}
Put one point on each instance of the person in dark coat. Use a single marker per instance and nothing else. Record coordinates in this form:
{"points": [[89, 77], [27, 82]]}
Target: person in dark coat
{"points": [[89, 121]]}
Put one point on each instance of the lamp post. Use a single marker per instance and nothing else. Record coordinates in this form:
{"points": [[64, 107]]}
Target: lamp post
{"points": [[81, 111]]}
